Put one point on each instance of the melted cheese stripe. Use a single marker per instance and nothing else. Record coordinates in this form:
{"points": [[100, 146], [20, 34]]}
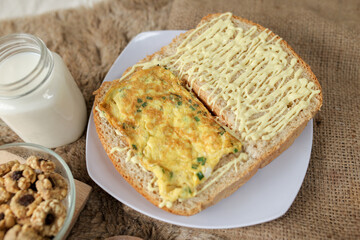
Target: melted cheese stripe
{"points": [[119, 149], [258, 80], [224, 169], [129, 156], [101, 113]]}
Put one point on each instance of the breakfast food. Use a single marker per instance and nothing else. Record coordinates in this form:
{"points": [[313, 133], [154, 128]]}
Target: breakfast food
{"points": [[169, 129], [7, 217], [6, 167], [24, 203], [53, 121], [259, 92], [19, 178], [31, 200], [5, 196], [41, 164], [51, 186], [22, 232], [49, 217]]}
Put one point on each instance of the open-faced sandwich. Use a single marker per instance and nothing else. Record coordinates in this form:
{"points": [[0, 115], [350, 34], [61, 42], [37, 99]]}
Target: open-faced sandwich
{"points": [[188, 125]]}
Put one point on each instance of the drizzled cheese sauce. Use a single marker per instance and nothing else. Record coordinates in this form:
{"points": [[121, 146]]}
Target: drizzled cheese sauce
{"points": [[224, 169], [254, 90]]}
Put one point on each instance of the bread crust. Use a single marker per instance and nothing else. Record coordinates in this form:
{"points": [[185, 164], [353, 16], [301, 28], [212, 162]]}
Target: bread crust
{"points": [[220, 189]]}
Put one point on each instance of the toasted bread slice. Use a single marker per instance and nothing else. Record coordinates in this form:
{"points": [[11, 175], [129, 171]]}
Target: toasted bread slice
{"points": [[230, 174]]}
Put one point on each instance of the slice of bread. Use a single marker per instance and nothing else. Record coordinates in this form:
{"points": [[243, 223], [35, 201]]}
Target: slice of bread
{"points": [[261, 146]]}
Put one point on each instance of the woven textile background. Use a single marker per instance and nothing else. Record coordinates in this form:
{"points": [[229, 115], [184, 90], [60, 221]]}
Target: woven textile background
{"points": [[326, 34]]}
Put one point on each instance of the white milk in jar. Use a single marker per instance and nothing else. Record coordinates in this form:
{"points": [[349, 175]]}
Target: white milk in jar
{"points": [[39, 98]]}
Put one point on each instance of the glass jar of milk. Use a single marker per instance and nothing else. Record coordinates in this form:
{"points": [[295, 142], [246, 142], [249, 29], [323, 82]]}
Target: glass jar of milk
{"points": [[39, 98]]}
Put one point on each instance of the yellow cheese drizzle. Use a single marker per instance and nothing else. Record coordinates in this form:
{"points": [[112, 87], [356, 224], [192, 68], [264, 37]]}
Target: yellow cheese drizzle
{"points": [[224, 169], [151, 184], [119, 149], [249, 70], [101, 113], [168, 204]]}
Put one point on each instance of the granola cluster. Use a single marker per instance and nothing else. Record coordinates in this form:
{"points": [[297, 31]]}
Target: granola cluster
{"points": [[31, 197]]}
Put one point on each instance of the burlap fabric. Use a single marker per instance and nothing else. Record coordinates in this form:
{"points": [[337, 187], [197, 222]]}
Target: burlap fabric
{"points": [[325, 34]]}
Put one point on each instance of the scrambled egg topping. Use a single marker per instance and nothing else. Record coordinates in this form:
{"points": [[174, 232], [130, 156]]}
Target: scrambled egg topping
{"points": [[168, 129]]}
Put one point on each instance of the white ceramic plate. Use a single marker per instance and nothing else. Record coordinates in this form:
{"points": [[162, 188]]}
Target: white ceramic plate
{"points": [[266, 196]]}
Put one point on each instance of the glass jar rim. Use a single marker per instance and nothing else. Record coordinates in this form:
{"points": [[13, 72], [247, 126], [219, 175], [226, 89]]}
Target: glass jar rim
{"points": [[9, 46]]}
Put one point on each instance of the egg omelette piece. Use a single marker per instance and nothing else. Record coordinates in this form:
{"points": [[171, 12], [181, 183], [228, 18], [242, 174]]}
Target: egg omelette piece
{"points": [[168, 129]]}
